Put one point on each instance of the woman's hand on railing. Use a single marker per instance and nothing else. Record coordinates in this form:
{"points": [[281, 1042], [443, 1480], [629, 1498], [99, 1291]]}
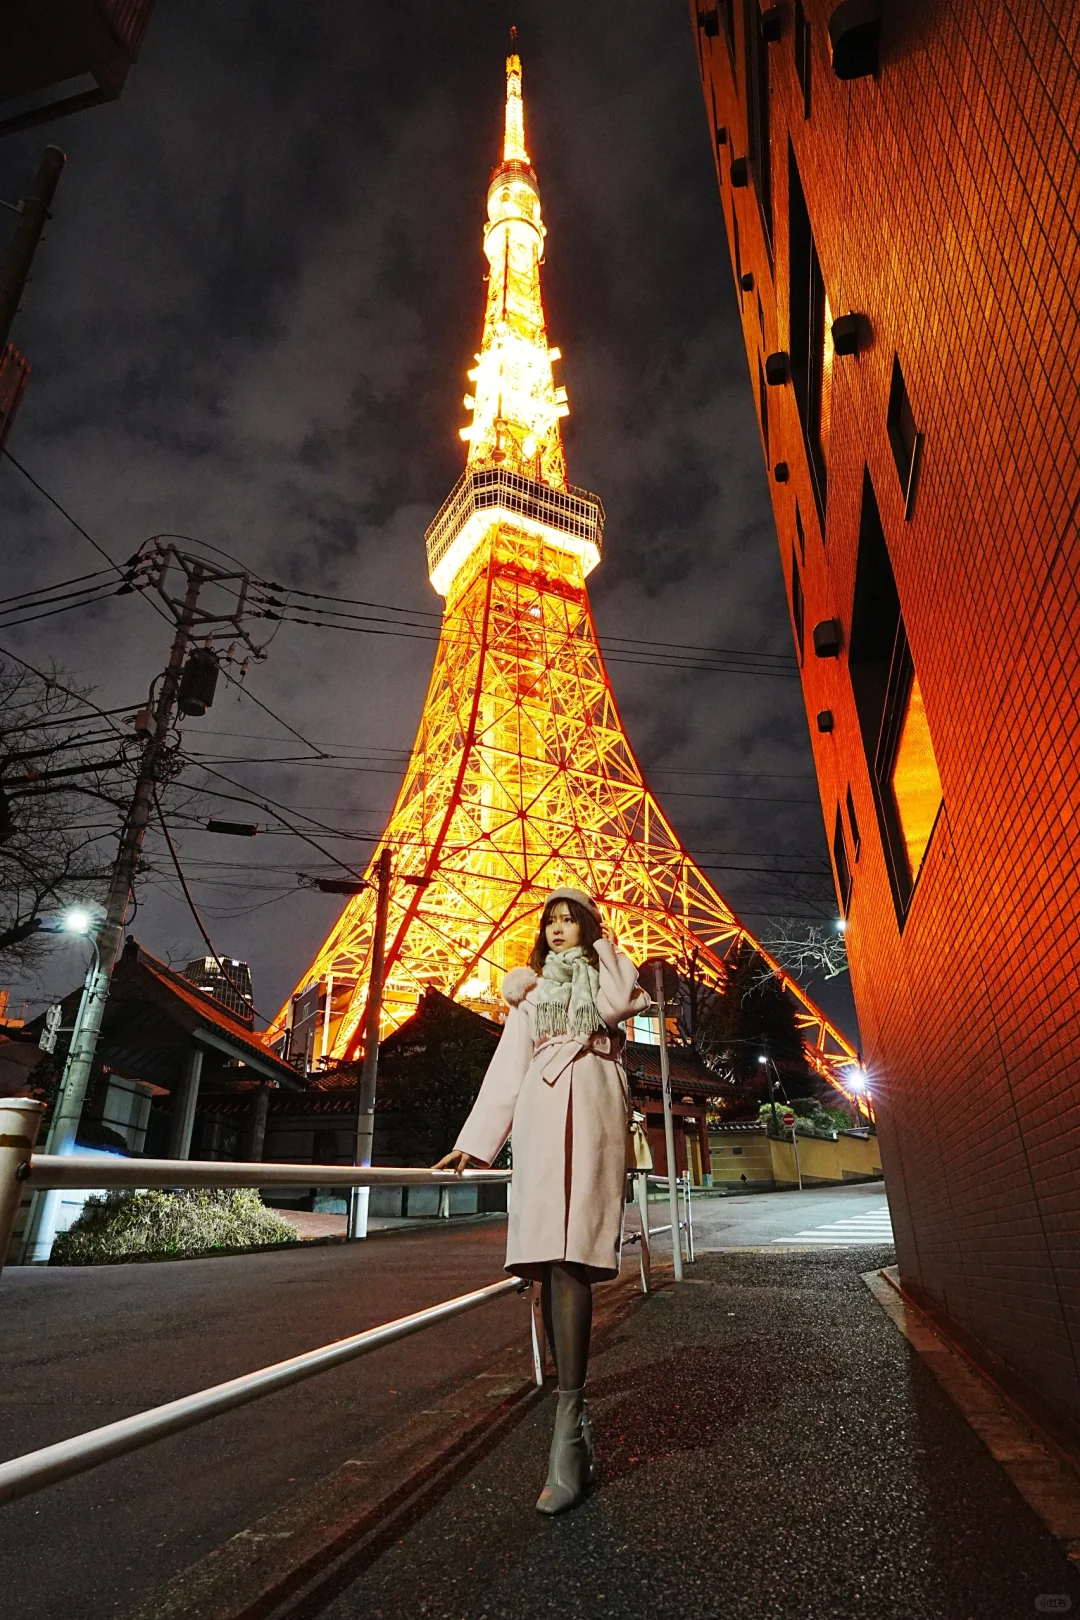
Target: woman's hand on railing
{"points": [[458, 1161]]}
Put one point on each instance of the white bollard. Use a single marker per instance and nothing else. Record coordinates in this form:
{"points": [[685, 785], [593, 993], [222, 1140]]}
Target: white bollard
{"points": [[20, 1120]]}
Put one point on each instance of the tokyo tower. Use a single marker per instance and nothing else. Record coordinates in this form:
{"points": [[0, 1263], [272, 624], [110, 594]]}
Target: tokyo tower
{"points": [[521, 777]]}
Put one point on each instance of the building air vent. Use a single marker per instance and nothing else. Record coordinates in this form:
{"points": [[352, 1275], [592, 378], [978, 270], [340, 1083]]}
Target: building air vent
{"points": [[855, 39], [845, 334], [827, 638], [777, 369]]}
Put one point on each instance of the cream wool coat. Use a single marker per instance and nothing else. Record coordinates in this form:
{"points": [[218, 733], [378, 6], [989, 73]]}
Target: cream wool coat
{"points": [[565, 1104]]}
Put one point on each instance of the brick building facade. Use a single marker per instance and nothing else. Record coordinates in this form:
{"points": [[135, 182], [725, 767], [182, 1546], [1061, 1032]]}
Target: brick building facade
{"points": [[900, 193]]}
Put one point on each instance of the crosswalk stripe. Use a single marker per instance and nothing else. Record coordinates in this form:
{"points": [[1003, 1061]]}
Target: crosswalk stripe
{"points": [[871, 1227]]}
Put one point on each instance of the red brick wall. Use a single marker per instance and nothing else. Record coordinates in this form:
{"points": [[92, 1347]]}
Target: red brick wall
{"points": [[943, 197]]}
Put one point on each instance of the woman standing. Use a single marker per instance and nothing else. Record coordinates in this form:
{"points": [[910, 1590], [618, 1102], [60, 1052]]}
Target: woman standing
{"points": [[556, 1081]]}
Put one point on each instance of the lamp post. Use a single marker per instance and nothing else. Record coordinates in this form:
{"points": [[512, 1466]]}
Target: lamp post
{"points": [[45, 1208]]}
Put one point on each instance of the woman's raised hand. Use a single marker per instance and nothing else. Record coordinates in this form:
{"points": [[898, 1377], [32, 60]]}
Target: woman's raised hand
{"points": [[457, 1161]]}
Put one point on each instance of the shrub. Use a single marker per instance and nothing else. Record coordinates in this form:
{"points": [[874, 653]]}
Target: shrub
{"points": [[153, 1225]]}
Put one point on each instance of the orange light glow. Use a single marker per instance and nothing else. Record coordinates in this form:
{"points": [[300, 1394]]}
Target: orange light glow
{"points": [[521, 776], [915, 783]]}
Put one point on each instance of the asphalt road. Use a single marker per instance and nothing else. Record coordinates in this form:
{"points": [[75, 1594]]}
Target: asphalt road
{"points": [[82, 1347], [854, 1214], [770, 1448]]}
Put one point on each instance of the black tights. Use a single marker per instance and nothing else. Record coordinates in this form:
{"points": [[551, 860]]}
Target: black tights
{"points": [[566, 1301]]}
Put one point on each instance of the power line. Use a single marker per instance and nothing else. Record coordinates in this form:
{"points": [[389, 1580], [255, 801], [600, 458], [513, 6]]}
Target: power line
{"points": [[45, 590], [195, 913], [30, 618], [75, 524], [786, 660]]}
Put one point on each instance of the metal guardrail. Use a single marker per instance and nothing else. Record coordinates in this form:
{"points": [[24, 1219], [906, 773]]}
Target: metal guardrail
{"points": [[20, 1168], [36, 1469], [53, 1170]]}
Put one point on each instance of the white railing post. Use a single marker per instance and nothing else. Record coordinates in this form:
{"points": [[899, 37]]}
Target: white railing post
{"points": [[642, 1184], [20, 1121], [539, 1336], [689, 1220]]}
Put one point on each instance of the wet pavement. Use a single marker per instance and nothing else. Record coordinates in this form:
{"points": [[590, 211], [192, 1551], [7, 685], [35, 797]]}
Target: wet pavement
{"points": [[771, 1447]]}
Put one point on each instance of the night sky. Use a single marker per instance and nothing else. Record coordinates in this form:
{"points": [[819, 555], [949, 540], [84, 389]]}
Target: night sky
{"points": [[250, 324]]}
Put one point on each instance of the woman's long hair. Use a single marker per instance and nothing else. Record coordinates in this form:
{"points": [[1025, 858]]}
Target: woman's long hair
{"points": [[589, 923]]}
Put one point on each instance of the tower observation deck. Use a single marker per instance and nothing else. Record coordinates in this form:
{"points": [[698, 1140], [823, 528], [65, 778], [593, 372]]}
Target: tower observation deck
{"points": [[521, 777]]}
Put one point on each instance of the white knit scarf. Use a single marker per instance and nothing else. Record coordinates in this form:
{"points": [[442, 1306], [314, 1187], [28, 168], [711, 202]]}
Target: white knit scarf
{"points": [[566, 995]]}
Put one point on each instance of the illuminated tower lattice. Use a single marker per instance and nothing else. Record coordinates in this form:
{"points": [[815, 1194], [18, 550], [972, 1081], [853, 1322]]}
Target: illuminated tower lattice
{"points": [[521, 777]]}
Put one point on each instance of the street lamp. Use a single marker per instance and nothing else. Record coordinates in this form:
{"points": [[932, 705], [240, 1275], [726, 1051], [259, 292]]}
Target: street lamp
{"points": [[860, 1083]]}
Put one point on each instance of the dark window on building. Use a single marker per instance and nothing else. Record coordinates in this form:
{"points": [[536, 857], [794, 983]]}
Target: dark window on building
{"points": [[904, 436], [763, 407], [853, 825], [840, 863], [737, 248], [727, 22], [798, 605], [810, 343], [802, 54], [758, 126], [892, 716], [800, 531]]}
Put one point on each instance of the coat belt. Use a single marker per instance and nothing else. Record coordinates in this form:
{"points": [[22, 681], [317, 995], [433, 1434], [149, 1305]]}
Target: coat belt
{"points": [[606, 1044]]}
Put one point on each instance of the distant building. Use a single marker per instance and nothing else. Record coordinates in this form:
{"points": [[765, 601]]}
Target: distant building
{"points": [[233, 992], [899, 189]]}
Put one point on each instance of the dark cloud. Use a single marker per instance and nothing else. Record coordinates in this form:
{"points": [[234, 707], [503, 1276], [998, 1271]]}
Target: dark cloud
{"points": [[251, 322]]}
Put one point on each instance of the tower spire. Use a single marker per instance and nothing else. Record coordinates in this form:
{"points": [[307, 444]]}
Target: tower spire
{"points": [[516, 405], [514, 135]]}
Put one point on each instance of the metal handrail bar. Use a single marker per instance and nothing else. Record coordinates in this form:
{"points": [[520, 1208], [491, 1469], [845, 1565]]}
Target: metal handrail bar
{"points": [[35, 1469], [83, 1170]]}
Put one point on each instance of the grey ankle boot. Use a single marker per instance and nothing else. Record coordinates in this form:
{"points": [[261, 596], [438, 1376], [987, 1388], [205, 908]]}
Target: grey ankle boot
{"points": [[570, 1462]]}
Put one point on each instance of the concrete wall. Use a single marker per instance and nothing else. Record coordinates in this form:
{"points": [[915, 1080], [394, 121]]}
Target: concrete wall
{"points": [[755, 1163]]}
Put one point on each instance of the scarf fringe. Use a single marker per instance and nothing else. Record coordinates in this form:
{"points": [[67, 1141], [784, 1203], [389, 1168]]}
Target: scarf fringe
{"points": [[551, 1021]]}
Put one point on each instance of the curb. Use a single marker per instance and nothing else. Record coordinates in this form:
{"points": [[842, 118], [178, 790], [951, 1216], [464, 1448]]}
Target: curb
{"points": [[292, 1562]]}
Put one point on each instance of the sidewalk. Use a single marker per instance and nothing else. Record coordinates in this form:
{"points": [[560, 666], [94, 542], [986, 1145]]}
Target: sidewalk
{"points": [[771, 1447]]}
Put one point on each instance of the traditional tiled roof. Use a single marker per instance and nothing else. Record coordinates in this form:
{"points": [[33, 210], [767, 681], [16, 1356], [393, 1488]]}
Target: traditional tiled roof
{"points": [[689, 1075], [140, 975]]}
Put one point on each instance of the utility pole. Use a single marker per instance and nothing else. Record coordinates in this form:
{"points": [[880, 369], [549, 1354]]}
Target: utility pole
{"points": [[365, 1098], [80, 1059], [33, 212]]}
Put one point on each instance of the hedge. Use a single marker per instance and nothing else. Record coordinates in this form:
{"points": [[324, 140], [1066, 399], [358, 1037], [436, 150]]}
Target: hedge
{"points": [[160, 1225]]}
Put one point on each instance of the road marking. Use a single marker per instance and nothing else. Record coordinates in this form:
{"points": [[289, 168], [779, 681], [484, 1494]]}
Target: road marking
{"points": [[874, 1226]]}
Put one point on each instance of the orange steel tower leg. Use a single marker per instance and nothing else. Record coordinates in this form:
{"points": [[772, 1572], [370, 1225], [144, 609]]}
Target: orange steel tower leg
{"points": [[521, 777]]}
